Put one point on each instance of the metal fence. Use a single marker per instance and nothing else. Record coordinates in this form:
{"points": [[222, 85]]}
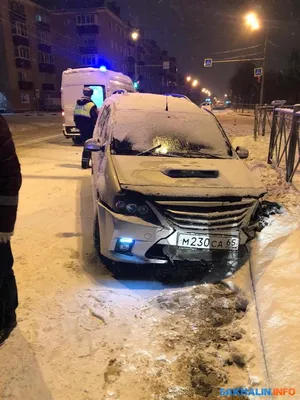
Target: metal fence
{"points": [[284, 145], [262, 119]]}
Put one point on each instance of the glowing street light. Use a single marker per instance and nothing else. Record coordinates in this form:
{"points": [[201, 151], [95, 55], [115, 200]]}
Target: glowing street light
{"points": [[135, 35], [195, 83], [252, 21], [203, 90], [226, 95], [188, 78]]}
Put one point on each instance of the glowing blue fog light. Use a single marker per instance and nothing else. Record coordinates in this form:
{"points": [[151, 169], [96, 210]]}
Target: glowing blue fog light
{"points": [[126, 240], [124, 245]]}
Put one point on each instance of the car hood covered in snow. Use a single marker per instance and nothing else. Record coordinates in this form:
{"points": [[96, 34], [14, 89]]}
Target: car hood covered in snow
{"points": [[162, 176]]}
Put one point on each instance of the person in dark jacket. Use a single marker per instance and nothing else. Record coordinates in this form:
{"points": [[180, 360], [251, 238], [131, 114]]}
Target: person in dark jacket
{"points": [[10, 183], [85, 118]]}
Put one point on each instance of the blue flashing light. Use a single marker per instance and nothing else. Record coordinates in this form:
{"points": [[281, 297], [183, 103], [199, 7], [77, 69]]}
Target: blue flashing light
{"points": [[126, 240], [103, 68]]}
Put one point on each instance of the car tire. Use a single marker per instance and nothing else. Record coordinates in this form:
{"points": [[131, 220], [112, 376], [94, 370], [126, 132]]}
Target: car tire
{"points": [[77, 140]]}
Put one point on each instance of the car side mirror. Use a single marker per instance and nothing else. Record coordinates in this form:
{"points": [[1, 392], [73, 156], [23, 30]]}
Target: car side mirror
{"points": [[242, 152], [93, 145]]}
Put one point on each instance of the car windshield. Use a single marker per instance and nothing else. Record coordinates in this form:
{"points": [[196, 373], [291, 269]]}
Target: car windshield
{"points": [[168, 134]]}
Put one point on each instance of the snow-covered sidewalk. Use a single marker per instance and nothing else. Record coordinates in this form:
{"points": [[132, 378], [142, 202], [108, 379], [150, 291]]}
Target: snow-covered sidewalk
{"points": [[275, 262]]}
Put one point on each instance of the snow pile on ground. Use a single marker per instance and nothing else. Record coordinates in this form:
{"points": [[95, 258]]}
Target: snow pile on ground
{"points": [[196, 345]]}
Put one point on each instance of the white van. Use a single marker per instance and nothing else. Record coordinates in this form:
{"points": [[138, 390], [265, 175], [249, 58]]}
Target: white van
{"points": [[104, 83]]}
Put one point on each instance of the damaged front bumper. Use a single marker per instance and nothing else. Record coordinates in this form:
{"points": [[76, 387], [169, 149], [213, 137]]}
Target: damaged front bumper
{"points": [[158, 244]]}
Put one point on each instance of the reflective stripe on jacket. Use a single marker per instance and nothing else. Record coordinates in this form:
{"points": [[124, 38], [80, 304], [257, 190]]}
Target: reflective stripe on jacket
{"points": [[84, 110]]}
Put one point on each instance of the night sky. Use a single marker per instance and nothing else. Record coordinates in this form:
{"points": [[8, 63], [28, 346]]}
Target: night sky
{"points": [[194, 29]]}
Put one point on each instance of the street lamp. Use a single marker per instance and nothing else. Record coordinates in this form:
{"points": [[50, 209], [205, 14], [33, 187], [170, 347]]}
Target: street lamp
{"points": [[225, 95], [195, 83], [135, 36], [188, 78], [252, 21], [203, 90]]}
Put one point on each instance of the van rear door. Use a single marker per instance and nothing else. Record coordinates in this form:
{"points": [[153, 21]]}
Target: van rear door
{"points": [[70, 94], [99, 94]]}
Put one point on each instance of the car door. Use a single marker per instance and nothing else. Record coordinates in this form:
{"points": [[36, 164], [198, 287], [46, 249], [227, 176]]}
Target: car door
{"points": [[102, 134]]}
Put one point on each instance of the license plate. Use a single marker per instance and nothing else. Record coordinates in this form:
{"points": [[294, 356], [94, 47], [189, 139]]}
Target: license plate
{"points": [[208, 242]]}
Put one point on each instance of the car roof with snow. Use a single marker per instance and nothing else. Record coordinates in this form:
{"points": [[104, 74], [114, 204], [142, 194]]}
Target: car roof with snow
{"points": [[154, 103]]}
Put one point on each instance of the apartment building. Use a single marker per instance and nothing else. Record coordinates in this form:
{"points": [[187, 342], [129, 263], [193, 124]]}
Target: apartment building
{"points": [[37, 44], [27, 71], [91, 37]]}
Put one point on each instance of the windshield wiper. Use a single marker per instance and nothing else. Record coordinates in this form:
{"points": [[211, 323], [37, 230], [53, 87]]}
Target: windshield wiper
{"points": [[210, 155], [194, 154], [149, 150]]}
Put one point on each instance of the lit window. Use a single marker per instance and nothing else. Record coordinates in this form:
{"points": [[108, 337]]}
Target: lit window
{"points": [[41, 18]]}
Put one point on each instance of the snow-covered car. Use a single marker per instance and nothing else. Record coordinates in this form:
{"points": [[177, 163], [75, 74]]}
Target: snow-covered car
{"points": [[167, 183]]}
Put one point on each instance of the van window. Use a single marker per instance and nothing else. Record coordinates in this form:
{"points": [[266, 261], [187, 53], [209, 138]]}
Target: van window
{"points": [[99, 94]]}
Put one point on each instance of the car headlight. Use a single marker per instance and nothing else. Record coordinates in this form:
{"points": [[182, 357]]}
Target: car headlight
{"points": [[134, 207]]}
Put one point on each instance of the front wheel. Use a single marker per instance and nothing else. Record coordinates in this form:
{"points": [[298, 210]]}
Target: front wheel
{"points": [[77, 140]]}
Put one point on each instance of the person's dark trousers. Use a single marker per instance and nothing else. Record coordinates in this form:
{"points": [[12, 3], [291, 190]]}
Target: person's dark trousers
{"points": [[86, 155], [8, 288], [85, 159]]}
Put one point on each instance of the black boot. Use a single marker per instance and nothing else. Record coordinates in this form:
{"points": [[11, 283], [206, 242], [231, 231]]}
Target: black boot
{"points": [[5, 332], [8, 305]]}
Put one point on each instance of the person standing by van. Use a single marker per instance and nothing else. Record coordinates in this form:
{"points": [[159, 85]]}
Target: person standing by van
{"points": [[85, 117], [10, 183]]}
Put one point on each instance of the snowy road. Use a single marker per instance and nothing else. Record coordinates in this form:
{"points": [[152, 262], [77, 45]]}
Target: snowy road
{"points": [[82, 334]]}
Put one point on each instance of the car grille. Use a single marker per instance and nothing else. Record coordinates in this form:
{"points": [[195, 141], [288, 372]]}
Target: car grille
{"points": [[208, 215]]}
